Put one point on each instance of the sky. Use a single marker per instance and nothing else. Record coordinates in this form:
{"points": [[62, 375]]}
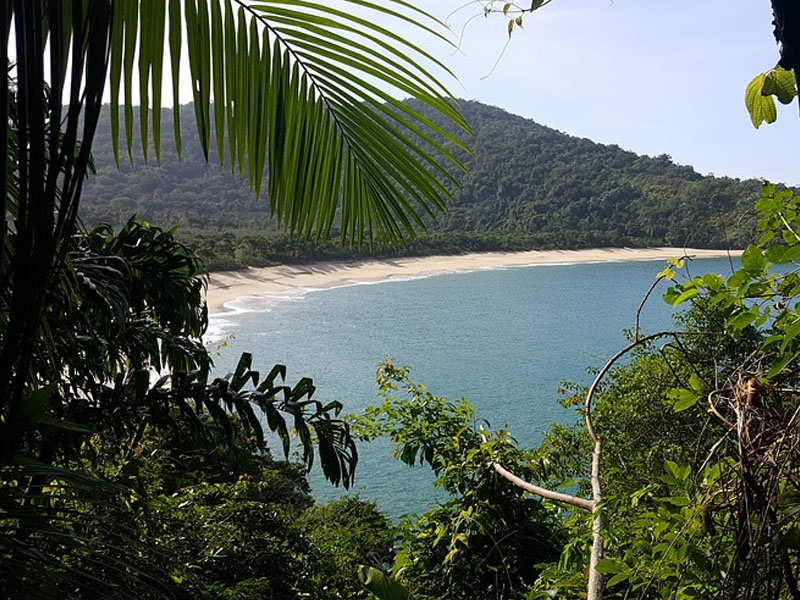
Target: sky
{"points": [[651, 76]]}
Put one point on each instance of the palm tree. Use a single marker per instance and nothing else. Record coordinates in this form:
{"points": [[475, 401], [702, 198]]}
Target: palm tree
{"points": [[300, 89]]}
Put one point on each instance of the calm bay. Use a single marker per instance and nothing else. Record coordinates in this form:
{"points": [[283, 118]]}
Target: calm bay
{"points": [[504, 338]]}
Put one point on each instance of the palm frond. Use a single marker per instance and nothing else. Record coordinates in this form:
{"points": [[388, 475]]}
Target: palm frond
{"points": [[307, 92]]}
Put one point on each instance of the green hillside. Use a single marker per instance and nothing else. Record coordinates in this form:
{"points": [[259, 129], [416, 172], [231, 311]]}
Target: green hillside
{"points": [[528, 186]]}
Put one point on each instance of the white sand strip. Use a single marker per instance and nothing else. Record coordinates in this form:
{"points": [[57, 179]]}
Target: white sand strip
{"points": [[226, 286]]}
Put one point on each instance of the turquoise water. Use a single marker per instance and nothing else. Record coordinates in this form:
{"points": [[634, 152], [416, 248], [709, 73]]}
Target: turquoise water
{"points": [[504, 338]]}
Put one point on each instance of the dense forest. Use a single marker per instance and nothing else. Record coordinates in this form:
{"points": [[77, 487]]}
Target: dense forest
{"points": [[526, 186], [128, 470]]}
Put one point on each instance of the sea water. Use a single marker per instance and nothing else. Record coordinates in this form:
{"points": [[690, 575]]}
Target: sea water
{"points": [[505, 338]]}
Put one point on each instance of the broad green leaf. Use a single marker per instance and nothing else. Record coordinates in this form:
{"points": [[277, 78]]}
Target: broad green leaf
{"points": [[791, 255], [677, 500], [680, 473], [780, 83], [683, 472], [753, 260], [790, 333], [781, 362], [671, 295], [775, 254], [771, 340], [696, 383], [684, 399], [712, 280], [743, 319], [607, 566], [760, 107], [687, 295], [618, 578]]}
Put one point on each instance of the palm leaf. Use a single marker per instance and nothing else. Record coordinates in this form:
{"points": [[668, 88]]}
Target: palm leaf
{"points": [[307, 93]]}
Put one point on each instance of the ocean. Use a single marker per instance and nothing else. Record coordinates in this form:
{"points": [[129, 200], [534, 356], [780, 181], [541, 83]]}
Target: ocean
{"points": [[505, 338]]}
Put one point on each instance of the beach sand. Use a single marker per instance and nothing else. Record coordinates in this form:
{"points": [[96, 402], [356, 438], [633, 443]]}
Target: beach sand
{"points": [[226, 286]]}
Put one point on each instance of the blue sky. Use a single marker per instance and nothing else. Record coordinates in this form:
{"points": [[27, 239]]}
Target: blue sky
{"points": [[651, 76]]}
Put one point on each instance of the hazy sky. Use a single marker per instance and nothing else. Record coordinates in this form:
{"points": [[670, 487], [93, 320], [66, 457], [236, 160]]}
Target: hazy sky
{"points": [[650, 76]]}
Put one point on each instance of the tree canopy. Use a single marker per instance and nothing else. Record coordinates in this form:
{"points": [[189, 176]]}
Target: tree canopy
{"points": [[527, 186]]}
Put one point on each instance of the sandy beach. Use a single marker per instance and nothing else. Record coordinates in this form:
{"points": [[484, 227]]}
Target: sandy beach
{"points": [[226, 286]]}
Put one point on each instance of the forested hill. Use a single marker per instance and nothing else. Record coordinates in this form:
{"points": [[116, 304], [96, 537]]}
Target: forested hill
{"points": [[528, 186], [527, 177]]}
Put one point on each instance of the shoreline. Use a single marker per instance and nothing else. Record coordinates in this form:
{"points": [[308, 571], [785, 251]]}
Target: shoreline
{"points": [[227, 286]]}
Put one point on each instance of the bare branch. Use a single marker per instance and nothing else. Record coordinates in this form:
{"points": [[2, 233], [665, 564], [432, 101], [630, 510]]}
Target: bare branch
{"points": [[544, 492], [594, 590], [595, 587], [610, 363], [685, 257], [641, 306], [535, 489], [713, 407]]}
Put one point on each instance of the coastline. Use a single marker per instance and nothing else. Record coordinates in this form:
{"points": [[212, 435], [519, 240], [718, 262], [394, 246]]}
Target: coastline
{"points": [[227, 286]]}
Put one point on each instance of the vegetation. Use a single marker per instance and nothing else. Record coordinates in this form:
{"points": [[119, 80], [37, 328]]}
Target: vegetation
{"points": [[106, 401], [488, 538], [720, 519], [526, 187], [698, 468], [126, 470]]}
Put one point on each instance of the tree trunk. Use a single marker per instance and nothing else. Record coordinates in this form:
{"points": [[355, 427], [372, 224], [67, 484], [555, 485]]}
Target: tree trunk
{"points": [[786, 19]]}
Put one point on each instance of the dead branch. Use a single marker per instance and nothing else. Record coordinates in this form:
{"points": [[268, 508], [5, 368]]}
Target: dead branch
{"points": [[543, 492]]}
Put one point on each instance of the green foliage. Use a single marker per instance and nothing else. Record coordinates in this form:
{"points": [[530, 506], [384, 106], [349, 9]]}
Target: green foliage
{"points": [[717, 407], [231, 522], [383, 586], [758, 294], [236, 539], [758, 97], [488, 537], [317, 121], [528, 187], [348, 532], [135, 308], [658, 541], [89, 319]]}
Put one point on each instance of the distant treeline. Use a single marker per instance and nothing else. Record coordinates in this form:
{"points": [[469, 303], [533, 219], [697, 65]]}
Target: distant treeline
{"points": [[527, 187], [228, 250]]}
